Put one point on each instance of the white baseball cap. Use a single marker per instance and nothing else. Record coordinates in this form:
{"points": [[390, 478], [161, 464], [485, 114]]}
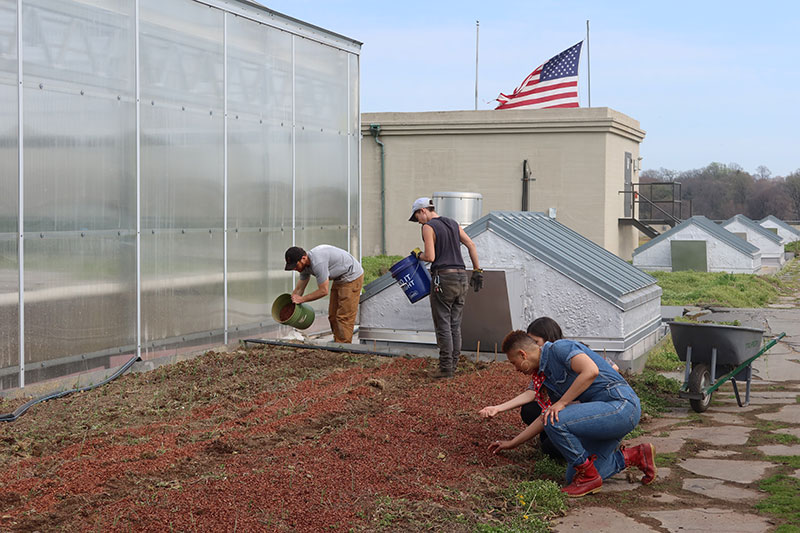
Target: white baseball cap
{"points": [[419, 203]]}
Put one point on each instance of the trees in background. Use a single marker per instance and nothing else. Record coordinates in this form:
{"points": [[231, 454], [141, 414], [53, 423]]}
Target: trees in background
{"points": [[720, 191]]}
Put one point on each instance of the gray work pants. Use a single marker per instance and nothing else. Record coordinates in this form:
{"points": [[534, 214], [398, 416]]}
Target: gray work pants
{"points": [[447, 307]]}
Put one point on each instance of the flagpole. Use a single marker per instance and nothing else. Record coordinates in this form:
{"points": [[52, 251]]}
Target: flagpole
{"points": [[477, 30], [588, 64]]}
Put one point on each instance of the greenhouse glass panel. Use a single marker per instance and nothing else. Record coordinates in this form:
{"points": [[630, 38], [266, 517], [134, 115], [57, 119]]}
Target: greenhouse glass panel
{"points": [[321, 181], [9, 304], [321, 86], [182, 290], [80, 296], [80, 161], [181, 85], [79, 181], [9, 200]]}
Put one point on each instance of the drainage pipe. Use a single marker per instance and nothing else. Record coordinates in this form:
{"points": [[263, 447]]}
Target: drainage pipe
{"points": [[375, 130], [338, 349], [10, 417]]}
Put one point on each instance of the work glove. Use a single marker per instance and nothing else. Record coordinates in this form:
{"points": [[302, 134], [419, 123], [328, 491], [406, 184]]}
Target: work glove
{"points": [[476, 281], [416, 252]]}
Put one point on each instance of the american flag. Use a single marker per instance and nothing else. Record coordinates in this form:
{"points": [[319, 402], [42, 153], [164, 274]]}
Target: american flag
{"points": [[553, 84]]}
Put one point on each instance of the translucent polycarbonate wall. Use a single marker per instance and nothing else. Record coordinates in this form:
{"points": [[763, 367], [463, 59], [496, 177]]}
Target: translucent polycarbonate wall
{"points": [[171, 151], [9, 198], [79, 183], [259, 168]]}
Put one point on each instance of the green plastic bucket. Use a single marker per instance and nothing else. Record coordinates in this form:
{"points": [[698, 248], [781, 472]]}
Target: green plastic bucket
{"points": [[301, 318]]}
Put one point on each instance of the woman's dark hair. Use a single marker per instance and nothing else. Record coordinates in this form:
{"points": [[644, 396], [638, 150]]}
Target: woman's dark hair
{"points": [[546, 328]]}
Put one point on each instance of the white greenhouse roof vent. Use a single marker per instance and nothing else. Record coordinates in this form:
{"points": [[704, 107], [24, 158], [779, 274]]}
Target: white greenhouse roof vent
{"points": [[710, 227], [568, 253]]}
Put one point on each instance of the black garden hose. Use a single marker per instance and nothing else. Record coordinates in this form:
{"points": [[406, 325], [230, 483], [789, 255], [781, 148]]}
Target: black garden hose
{"points": [[10, 417]]}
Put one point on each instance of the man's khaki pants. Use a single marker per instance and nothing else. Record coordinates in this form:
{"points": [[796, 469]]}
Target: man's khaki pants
{"points": [[343, 308]]}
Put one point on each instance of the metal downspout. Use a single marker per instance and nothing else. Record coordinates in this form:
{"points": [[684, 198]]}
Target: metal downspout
{"points": [[375, 130]]}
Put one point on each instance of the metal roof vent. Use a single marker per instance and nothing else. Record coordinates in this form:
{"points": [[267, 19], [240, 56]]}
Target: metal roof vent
{"points": [[463, 207]]}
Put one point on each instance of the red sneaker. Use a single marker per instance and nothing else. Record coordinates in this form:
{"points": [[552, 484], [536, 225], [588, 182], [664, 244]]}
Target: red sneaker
{"points": [[642, 457], [586, 480]]}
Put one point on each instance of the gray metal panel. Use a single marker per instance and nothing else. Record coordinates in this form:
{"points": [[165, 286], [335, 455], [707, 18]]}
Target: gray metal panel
{"points": [[761, 230], [377, 286], [715, 230], [688, 255], [781, 223], [567, 252], [487, 314]]}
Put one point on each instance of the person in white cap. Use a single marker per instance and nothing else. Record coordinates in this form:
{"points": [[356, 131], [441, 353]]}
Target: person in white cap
{"points": [[442, 238]]}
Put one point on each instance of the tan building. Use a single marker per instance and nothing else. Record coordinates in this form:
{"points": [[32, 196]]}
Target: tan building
{"points": [[579, 160]]}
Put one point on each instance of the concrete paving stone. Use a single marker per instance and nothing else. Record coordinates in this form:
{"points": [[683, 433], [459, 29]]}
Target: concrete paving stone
{"points": [[780, 449], [599, 520], [727, 469], [710, 519], [789, 431], [718, 489], [715, 453], [796, 473], [725, 418], [716, 435], [778, 367], [788, 413]]}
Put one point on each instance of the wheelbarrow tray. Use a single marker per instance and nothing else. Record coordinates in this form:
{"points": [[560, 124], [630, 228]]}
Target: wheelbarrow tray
{"points": [[734, 344]]}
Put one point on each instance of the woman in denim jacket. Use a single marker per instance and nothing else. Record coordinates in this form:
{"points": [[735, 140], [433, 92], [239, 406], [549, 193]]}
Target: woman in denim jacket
{"points": [[587, 433]]}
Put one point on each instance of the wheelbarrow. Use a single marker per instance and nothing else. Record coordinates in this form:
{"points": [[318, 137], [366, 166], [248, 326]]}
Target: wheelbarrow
{"points": [[714, 354]]}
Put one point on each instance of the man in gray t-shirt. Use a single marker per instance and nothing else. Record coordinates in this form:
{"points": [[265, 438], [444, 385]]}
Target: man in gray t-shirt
{"points": [[326, 263]]}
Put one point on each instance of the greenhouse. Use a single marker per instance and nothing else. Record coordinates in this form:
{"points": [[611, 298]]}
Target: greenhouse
{"points": [[157, 157]]}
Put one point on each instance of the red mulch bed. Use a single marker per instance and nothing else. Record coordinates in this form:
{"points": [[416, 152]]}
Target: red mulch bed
{"points": [[261, 440]]}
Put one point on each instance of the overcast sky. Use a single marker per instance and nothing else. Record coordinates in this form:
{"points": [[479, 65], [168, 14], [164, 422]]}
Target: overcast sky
{"points": [[707, 80]]}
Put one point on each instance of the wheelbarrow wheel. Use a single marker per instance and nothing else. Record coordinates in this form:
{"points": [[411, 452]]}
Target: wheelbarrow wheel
{"points": [[699, 380]]}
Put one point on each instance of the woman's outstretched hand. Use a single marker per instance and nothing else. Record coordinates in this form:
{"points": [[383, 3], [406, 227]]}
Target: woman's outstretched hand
{"points": [[498, 445], [489, 412]]}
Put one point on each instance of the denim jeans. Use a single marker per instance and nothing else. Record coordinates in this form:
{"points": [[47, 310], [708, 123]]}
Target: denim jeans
{"points": [[447, 308], [596, 427]]}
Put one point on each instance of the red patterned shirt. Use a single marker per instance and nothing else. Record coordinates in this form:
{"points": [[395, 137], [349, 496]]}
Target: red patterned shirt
{"points": [[542, 398]]}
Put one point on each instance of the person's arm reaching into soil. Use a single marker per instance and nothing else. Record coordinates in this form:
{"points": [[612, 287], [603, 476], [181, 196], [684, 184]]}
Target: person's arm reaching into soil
{"points": [[492, 410], [527, 434]]}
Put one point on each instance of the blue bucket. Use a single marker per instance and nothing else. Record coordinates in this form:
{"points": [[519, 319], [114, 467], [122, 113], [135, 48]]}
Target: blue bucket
{"points": [[413, 278]]}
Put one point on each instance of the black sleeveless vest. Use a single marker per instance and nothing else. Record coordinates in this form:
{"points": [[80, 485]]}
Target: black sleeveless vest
{"points": [[448, 244]]}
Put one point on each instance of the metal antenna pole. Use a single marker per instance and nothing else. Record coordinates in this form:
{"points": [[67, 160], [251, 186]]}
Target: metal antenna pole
{"points": [[588, 64], [477, 31]]}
